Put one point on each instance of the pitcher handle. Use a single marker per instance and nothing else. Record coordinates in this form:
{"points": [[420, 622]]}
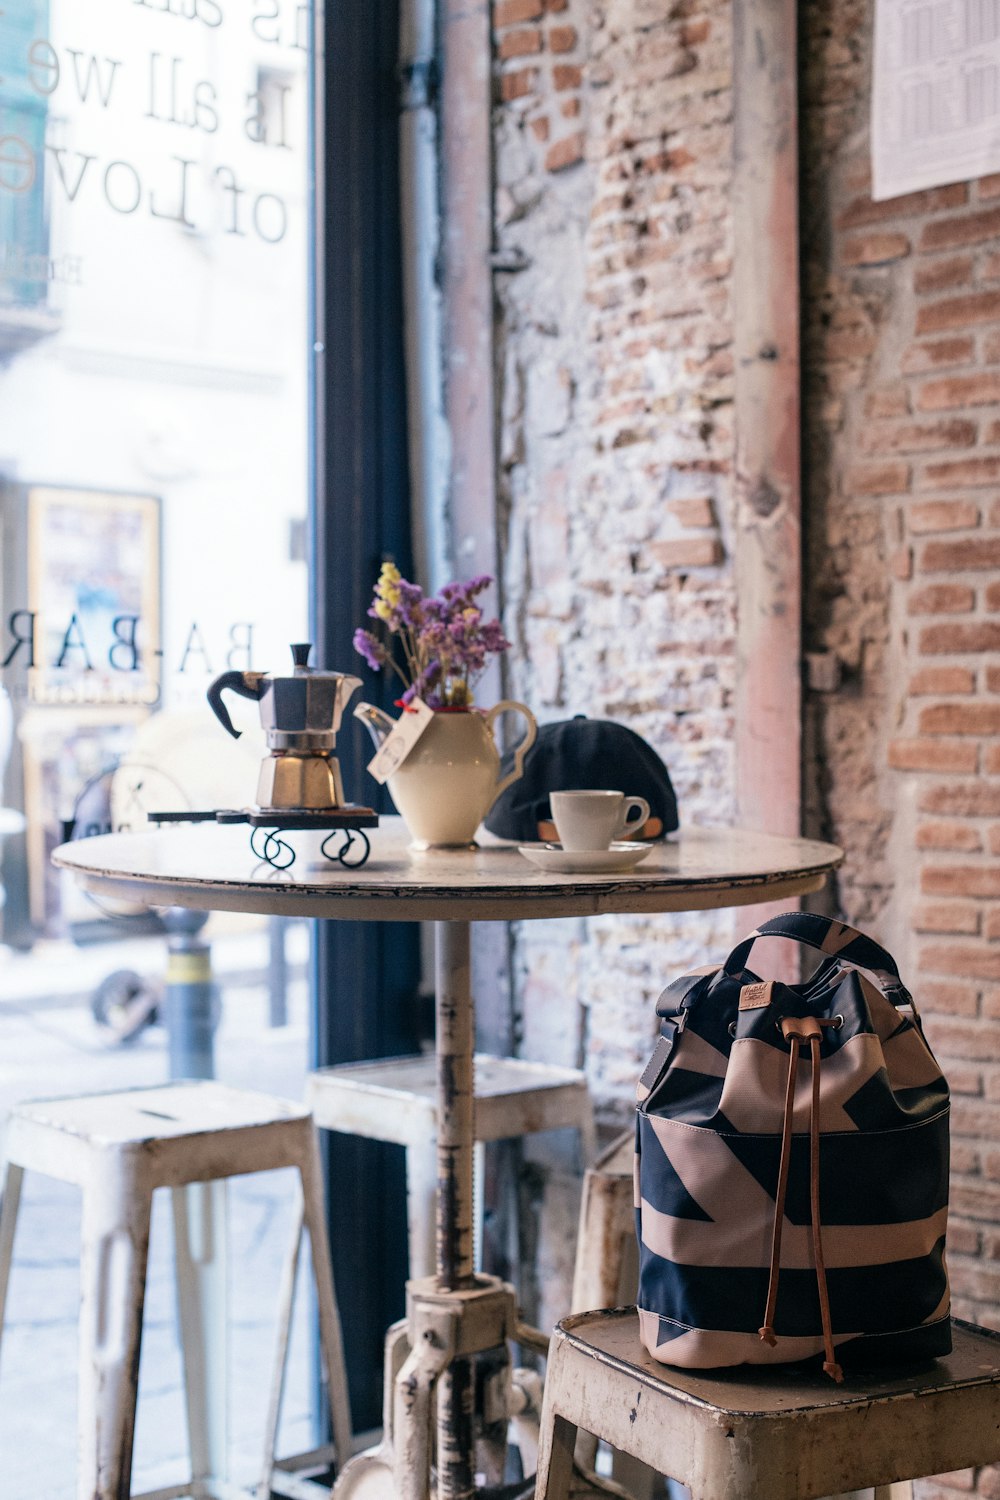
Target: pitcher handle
{"points": [[523, 747]]}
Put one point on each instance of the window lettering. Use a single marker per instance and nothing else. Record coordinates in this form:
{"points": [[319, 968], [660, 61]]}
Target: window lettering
{"points": [[124, 640], [43, 66], [19, 639], [194, 644], [131, 193], [17, 164], [208, 12], [58, 152], [74, 644], [87, 73], [180, 217], [241, 644], [275, 219]]}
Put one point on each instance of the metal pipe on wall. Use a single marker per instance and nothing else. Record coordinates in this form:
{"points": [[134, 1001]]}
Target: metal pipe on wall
{"points": [[427, 429]]}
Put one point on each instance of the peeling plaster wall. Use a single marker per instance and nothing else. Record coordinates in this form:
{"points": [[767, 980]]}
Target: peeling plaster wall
{"points": [[613, 334]]}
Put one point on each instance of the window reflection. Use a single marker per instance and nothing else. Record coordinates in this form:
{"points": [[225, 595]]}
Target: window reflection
{"points": [[153, 494], [153, 175]]}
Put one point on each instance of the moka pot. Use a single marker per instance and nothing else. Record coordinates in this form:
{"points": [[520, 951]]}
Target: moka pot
{"points": [[301, 715]]}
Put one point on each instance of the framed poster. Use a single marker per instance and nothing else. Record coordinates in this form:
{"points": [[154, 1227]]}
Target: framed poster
{"points": [[93, 607], [69, 756]]}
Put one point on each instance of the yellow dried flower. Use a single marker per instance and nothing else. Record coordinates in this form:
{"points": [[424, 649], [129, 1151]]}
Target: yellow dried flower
{"points": [[387, 587]]}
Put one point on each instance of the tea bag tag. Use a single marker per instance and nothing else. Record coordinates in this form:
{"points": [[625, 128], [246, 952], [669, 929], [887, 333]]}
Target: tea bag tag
{"points": [[396, 747]]}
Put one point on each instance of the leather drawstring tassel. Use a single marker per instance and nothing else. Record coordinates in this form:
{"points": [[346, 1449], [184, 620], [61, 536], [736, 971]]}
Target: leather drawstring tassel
{"points": [[797, 1031], [766, 1331], [830, 1365]]}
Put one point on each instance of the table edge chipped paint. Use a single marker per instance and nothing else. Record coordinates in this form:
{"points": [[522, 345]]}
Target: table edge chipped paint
{"points": [[409, 892]]}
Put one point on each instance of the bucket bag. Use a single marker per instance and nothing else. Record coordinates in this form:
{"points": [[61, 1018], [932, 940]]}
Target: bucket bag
{"points": [[792, 1165]]}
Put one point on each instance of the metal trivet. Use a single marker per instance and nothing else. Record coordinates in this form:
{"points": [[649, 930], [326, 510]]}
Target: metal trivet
{"points": [[267, 824]]}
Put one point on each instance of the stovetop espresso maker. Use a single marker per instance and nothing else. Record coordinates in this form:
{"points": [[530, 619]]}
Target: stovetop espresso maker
{"points": [[301, 715]]}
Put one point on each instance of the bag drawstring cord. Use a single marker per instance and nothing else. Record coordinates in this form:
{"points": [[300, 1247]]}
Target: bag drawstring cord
{"points": [[766, 1332], [798, 1031]]}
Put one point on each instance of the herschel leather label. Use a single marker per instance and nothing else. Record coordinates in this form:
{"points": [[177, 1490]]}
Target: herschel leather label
{"points": [[756, 996]]}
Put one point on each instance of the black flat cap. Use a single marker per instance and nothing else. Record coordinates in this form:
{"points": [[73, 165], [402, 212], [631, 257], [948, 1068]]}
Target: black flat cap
{"points": [[581, 754]]}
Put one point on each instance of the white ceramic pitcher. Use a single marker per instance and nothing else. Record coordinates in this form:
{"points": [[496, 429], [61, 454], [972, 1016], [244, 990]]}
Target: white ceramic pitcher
{"points": [[451, 778]]}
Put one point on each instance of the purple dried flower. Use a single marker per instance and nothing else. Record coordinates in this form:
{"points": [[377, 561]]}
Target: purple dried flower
{"points": [[371, 648], [409, 608], [494, 639], [444, 640]]}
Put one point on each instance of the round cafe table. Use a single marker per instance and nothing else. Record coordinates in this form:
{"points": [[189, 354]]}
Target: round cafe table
{"points": [[456, 1314]]}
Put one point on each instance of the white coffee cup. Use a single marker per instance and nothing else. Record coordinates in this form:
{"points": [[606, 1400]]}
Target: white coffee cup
{"points": [[593, 820]]}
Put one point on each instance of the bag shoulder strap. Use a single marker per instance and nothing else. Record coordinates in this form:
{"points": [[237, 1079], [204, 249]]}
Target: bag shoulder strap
{"points": [[836, 940], [680, 993], [672, 1008]]}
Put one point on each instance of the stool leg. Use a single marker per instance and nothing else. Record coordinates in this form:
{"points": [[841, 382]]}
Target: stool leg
{"points": [[116, 1212], [421, 1207], [605, 1223], [286, 1303], [478, 1202], [331, 1340], [8, 1222], [200, 1238], [555, 1457], [588, 1136]]}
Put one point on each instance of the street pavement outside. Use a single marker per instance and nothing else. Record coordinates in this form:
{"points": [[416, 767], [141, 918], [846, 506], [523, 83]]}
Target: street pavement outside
{"points": [[51, 1045]]}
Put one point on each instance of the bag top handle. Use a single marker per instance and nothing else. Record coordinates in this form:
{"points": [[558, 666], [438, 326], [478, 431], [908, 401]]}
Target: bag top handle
{"points": [[836, 940]]}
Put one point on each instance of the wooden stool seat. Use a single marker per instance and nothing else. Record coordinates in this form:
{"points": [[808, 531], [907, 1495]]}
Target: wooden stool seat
{"points": [[394, 1100], [119, 1148], [164, 1122], [513, 1097], [765, 1434]]}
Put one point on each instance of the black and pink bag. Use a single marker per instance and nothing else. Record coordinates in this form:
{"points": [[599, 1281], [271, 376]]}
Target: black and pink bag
{"points": [[792, 1165]]}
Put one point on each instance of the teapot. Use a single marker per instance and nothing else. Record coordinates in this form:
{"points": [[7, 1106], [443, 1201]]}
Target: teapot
{"points": [[450, 779], [301, 715]]}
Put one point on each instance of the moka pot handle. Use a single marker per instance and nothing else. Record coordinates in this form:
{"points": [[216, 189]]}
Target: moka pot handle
{"points": [[247, 684]]}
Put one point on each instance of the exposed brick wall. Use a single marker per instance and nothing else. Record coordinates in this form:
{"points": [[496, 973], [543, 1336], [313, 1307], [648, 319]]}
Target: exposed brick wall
{"points": [[902, 342], [614, 363]]}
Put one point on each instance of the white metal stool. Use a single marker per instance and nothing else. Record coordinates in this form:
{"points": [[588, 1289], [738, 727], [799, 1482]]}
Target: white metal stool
{"points": [[744, 1435], [118, 1148], [393, 1100], [606, 1275]]}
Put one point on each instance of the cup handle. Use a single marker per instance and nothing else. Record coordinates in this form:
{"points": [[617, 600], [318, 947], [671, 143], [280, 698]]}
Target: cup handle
{"points": [[627, 824], [523, 747]]}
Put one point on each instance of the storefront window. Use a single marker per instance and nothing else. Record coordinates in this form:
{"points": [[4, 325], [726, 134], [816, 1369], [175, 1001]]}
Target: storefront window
{"points": [[154, 170]]}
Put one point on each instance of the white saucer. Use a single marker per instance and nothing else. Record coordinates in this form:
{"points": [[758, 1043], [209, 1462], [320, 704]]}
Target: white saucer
{"points": [[584, 861]]}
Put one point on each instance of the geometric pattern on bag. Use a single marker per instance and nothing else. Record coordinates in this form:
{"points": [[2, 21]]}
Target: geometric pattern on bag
{"points": [[792, 1165]]}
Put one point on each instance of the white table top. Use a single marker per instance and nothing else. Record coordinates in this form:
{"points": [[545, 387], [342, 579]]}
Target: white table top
{"points": [[211, 867]]}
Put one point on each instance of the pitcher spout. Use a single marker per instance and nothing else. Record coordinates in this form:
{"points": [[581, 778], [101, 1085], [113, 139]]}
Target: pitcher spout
{"points": [[378, 723]]}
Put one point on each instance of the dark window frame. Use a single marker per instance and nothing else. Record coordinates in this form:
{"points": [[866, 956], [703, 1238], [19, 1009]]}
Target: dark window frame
{"points": [[365, 975]]}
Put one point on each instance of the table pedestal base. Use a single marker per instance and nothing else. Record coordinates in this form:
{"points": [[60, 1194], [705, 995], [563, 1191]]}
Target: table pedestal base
{"points": [[447, 1332], [449, 1390], [433, 1407]]}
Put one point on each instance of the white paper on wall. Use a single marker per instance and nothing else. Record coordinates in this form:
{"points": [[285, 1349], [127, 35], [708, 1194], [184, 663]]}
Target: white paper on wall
{"points": [[935, 93]]}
